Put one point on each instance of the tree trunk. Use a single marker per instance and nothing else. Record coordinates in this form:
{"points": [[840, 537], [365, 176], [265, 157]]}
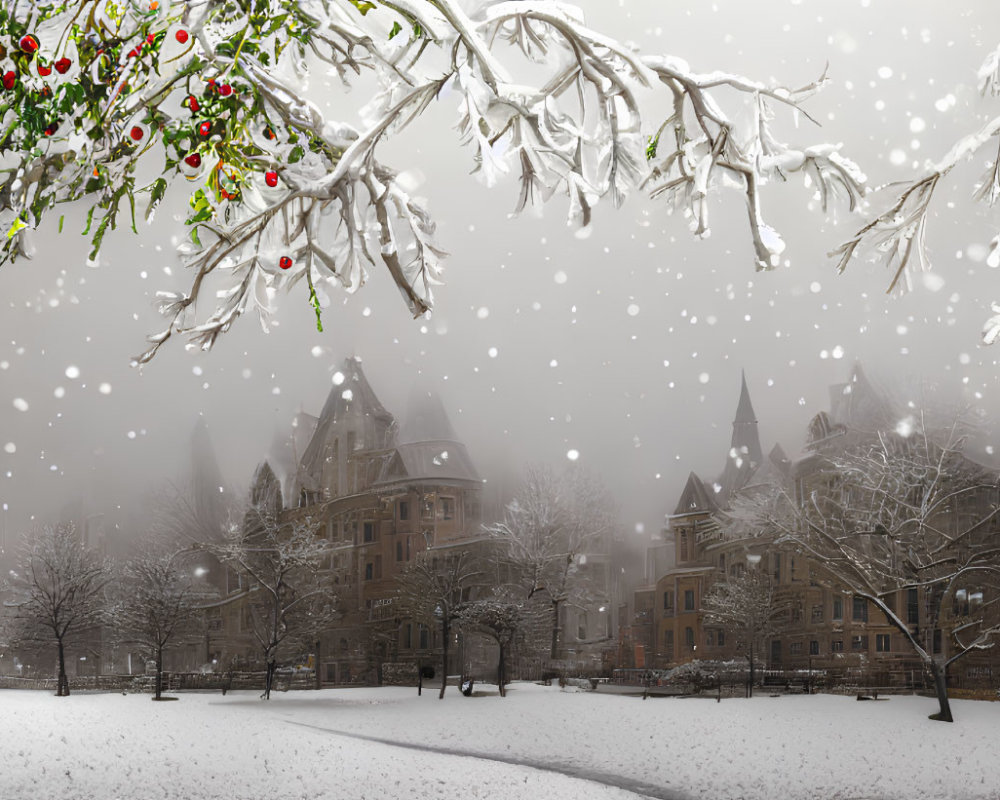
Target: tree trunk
{"points": [[159, 674], [941, 687], [62, 684], [554, 649], [269, 678], [316, 665], [501, 672], [444, 655], [420, 678], [750, 682]]}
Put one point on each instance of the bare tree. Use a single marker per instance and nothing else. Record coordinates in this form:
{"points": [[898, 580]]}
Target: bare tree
{"points": [[746, 608], [548, 529], [432, 589], [58, 592], [502, 620], [896, 511], [289, 602], [155, 605]]}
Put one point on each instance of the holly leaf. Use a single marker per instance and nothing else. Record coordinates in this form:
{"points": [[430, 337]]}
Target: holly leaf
{"points": [[396, 28], [18, 226]]}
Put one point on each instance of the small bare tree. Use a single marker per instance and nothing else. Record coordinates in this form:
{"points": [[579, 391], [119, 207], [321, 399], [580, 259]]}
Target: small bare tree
{"points": [[548, 529], [289, 602], [896, 511], [155, 605], [58, 592], [746, 608], [432, 589]]}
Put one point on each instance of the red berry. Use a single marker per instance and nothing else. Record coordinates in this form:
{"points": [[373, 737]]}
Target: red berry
{"points": [[62, 65], [9, 79], [271, 178], [269, 134], [150, 38], [285, 262], [181, 36], [205, 128], [44, 71], [225, 90], [51, 129], [29, 44], [193, 160], [134, 52], [137, 133], [192, 103]]}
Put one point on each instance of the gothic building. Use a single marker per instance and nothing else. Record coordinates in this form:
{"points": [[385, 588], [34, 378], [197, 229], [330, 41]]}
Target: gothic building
{"points": [[825, 627]]}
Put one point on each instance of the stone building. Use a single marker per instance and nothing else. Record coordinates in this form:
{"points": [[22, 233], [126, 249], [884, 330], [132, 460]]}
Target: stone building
{"points": [[826, 628]]}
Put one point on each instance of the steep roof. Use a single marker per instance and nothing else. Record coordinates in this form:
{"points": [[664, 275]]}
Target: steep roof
{"points": [[859, 405], [426, 419], [434, 460], [696, 498], [745, 452], [351, 400]]}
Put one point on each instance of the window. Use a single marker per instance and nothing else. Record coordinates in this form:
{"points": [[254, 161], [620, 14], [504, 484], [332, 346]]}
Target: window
{"points": [[403, 509], [369, 571], [776, 566], [668, 602], [447, 508], [882, 643], [689, 599], [408, 636], [722, 563], [960, 603], [668, 644], [684, 546], [581, 625], [423, 637], [859, 609], [859, 642], [838, 608], [399, 550], [721, 639], [689, 637], [817, 613], [937, 641], [795, 649], [710, 637], [814, 648], [837, 646], [912, 607], [369, 532]]}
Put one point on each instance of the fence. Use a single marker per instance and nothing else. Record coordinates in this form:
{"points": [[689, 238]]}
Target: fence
{"points": [[172, 682]]}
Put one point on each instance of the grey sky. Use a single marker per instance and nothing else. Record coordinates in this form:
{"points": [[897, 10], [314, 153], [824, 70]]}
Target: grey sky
{"points": [[626, 346]]}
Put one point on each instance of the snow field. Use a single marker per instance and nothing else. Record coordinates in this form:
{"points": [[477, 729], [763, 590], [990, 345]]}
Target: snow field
{"points": [[239, 747]]}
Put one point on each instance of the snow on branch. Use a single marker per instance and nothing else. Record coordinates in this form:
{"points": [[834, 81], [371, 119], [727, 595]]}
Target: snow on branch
{"points": [[896, 236], [281, 195]]}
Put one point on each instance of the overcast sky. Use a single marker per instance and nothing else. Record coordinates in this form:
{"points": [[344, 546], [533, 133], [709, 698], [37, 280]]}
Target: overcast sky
{"points": [[625, 346]]}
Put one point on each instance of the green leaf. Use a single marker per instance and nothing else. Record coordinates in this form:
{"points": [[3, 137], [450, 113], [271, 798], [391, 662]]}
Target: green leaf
{"points": [[18, 226], [396, 28], [159, 188], [315, 304], [363, 6], [651, 146], [62, 218]]}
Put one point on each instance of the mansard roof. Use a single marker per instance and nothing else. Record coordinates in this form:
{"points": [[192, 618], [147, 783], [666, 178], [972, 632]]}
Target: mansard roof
{"points": [[432, 461], [426, 420]]}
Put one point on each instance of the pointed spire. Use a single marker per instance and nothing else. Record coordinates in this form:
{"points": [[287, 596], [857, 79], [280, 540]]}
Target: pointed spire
{"points": [[746, 439]]}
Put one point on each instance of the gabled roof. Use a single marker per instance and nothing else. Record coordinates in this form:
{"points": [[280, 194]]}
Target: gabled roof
{"points": [[859, 405], [696, 498]]}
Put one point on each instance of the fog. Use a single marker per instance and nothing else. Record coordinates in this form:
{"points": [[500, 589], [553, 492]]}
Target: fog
{"points": [[626, 346]]}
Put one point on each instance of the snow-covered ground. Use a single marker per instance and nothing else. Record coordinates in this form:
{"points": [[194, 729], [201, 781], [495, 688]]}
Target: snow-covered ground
{"points": [[323, 745]]}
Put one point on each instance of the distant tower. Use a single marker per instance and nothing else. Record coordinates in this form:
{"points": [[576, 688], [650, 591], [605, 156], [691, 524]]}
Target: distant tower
{"points": [[745, 452]]}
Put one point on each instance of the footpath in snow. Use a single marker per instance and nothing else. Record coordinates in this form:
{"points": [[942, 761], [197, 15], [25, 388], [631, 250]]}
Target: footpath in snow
{"points": [[345, 743]]}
